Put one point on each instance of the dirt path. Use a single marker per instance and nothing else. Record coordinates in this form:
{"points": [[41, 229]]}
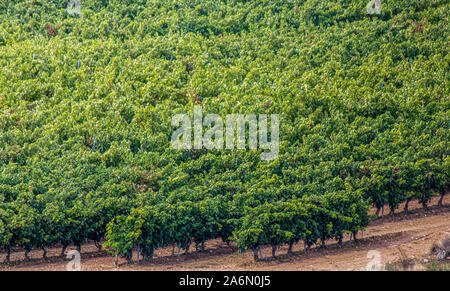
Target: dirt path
{"points": [[412, 234]]}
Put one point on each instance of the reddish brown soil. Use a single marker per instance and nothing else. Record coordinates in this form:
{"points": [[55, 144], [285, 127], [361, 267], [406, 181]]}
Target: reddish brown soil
{"points": [[411, 234]]}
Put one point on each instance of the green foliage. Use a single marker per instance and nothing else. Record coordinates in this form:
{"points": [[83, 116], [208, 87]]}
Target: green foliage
{"points": [[86, 103]]}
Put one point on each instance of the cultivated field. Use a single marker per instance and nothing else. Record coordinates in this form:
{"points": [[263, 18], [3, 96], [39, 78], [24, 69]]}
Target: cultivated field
{"points": [[394, 236]]}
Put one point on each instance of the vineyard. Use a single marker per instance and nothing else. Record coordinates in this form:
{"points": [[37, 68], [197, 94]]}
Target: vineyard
{"points": [[87, 99]]}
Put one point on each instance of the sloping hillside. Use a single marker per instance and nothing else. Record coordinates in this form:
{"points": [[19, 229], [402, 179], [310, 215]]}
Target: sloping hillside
{"points": [[87, 101]]}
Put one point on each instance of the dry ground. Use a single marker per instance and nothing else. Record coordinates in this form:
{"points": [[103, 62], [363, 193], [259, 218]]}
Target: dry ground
{"points": [[393, 236]]}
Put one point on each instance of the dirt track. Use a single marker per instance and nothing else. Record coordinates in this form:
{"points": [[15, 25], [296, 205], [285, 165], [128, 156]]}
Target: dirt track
{"points": [[412, 234]]}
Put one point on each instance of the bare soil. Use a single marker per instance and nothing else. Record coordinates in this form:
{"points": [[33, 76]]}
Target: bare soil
{"points": [[395, 236]]}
